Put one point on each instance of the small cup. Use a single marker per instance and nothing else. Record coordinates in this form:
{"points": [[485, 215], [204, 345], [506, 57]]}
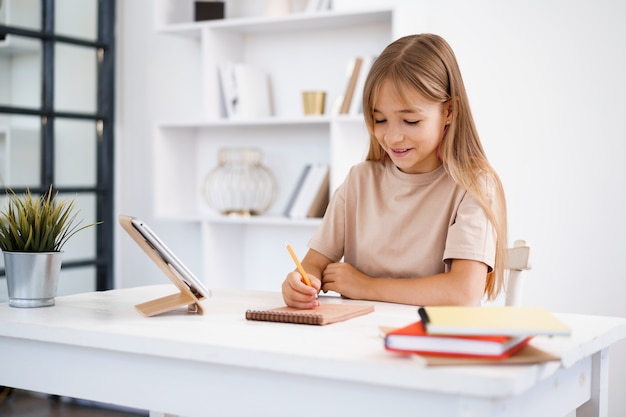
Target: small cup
{"points": [[313, 102]]}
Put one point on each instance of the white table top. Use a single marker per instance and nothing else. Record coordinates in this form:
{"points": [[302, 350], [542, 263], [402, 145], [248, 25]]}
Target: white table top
{"points": [[351, 350]]}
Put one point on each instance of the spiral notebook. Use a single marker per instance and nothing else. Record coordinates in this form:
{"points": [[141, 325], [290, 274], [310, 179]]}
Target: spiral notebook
{"points": [[322, 315]]}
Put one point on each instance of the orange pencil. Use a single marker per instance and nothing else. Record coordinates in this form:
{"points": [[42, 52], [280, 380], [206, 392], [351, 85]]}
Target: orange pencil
{"points": [[307, 281]]}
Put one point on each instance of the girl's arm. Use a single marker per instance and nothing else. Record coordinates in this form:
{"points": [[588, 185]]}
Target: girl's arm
{"points": [[464, 284]]}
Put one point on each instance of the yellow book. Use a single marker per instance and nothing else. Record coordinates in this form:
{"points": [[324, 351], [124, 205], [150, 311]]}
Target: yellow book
{"points": [[484, 321]]}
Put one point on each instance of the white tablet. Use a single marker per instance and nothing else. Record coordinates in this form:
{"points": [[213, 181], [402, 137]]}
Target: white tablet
{"points": [[137, 228]]}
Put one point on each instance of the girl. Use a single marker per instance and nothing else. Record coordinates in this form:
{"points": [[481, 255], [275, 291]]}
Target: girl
{"points": [[423, 220]]}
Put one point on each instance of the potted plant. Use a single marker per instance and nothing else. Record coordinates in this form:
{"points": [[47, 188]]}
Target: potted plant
{"points": [[33, 231]]}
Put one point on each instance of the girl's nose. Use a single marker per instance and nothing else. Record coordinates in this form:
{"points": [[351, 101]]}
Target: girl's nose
{"points": [[393, 134]]}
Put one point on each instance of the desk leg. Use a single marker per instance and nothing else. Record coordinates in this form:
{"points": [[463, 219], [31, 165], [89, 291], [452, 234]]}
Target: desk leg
{"points": [[597, 406]]}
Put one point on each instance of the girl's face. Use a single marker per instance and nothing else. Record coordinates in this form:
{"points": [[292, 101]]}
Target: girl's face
{"points": [[410, 131]]}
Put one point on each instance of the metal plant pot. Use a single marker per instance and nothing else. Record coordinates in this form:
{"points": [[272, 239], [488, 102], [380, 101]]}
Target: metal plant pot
{"points": [[32, 277]]}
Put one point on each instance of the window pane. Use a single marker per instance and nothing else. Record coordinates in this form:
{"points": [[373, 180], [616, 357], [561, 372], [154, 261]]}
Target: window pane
{"points": [[20, 72], [74, 78], [4, 291], [77, 280], [83, 244], [75, 138], [21, 13], [76, 18], [4, 157], [20, 150]]}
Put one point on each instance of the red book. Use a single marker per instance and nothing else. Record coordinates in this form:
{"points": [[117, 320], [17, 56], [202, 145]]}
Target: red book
{"points": [[413, 339]]}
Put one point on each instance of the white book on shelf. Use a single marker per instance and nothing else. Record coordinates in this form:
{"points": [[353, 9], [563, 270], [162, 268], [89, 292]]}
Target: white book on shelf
{"points": [[324, 5], [298, 209], [311, 195], [312, 6], [296, 189], [246, 91], [226, 73]]}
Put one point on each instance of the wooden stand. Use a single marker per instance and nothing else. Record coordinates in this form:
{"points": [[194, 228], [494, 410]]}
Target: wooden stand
{"points": [[185, 297], [171, 302]]}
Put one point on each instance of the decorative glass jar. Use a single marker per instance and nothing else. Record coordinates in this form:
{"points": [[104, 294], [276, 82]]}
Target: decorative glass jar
{"points": [[240, 185]]}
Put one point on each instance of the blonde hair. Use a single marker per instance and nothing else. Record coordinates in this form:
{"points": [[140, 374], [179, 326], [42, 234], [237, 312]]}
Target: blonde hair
{"points": [[425, 63]]}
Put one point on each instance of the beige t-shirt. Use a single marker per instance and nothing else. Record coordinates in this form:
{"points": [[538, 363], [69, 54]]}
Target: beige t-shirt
{"points": [[387, 223]]}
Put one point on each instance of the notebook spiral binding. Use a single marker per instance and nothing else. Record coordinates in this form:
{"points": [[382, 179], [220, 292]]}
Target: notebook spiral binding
{"points": [[284, 317]]}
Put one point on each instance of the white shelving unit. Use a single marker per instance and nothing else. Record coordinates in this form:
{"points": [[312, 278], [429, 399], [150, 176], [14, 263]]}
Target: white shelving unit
{"points": [[299, 51]]}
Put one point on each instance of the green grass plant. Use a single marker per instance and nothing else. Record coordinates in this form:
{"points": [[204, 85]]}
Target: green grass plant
{"points": [[38, 223]]}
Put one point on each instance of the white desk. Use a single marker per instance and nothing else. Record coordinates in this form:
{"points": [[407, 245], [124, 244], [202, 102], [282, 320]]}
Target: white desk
{"points": [[95, 346]]}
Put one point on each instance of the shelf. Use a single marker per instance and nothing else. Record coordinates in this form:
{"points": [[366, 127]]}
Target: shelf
{"points": [[274, 121], [252, 220], [290, 23], [265, 221]]}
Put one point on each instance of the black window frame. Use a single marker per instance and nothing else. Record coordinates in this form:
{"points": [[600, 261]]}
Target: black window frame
{"points": [[103, 190]]}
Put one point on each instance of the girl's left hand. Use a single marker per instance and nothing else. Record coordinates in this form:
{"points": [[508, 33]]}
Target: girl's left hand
{"points": [[344, 279]]}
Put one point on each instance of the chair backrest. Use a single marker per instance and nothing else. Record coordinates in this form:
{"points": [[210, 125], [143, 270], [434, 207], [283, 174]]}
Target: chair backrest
{"points": [[518, 260]]}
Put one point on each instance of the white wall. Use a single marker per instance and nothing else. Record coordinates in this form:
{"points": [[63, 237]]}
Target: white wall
{"points": [[547, 86]]}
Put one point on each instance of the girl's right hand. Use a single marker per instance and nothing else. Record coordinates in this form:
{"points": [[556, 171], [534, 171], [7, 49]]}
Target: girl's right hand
{"points": [[299, 295]]}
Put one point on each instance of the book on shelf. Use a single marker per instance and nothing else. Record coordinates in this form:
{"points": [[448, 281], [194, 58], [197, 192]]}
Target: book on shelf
{"points": [[498, 321], [317, 5], [296, 189], [326, 313], [310, 196], [414, 339], [354, 66], [245, 90], [356, 104]]}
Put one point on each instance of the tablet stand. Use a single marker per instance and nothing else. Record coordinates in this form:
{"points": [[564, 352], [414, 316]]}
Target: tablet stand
{"points": [[185, 296]]}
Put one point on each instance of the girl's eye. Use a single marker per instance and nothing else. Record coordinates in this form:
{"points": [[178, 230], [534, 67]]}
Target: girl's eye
{"points": [[411, 123], [379, 121]]}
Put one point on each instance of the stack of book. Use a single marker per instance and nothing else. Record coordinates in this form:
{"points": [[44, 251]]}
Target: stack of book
{"points": [[310, 196], [352, 100], [245, 91], [479, 332]]}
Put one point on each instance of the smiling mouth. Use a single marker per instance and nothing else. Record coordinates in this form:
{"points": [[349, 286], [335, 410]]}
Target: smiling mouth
{"points": [[400, 151]]}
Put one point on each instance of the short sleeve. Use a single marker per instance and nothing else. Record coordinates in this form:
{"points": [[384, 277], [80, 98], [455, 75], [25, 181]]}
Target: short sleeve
{"points": [[471, 234]]}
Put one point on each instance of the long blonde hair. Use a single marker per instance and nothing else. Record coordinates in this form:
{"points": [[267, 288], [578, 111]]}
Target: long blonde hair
{"points": [[426, 63]]}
